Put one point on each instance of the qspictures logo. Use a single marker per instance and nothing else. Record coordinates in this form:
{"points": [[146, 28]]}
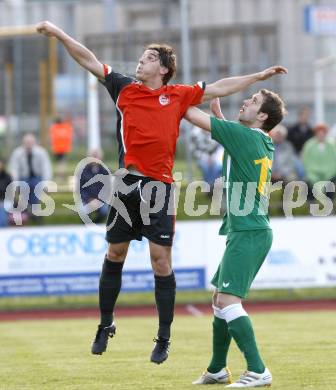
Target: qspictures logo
{"points": [[112, 192]]}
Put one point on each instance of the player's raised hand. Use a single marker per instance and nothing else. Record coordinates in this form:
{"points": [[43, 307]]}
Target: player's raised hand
{"points": [[48, 29], [82, 55], [272, 71], [216, 108]]}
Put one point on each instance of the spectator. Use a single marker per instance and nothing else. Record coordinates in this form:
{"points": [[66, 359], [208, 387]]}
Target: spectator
{"points": [[30, 163], [286, 165], [209, 155], [90, 194], [61, 134], [5, 180], [301, 131], [319, 158]]}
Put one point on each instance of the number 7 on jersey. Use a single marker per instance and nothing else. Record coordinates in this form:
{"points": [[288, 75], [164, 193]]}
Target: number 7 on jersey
{"points": [[264, 178]]}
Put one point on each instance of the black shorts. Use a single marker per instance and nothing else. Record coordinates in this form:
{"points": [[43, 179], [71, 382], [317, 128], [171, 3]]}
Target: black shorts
{"points": [[144, 209]]}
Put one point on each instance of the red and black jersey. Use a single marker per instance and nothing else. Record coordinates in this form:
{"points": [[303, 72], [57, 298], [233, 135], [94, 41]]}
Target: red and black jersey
{"points": [[148, 122]]}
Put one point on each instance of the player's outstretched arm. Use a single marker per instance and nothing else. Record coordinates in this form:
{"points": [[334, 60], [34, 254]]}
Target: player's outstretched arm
{"points": [[198, 118], [78, 52], [231, 85]]}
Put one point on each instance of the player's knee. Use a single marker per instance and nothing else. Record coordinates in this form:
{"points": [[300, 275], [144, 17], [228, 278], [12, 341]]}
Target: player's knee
{"points": [[161, 266], [116, 253]]}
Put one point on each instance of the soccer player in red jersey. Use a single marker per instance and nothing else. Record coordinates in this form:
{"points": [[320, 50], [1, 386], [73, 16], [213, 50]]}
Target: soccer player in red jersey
{"points": [[149, 112]]}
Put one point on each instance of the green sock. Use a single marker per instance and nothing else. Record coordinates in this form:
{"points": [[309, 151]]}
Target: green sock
{"points": [[242, 332], [220, 345]]}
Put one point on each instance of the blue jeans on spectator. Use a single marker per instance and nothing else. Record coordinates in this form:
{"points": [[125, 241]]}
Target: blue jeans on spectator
{"points": [[299, 169], [3, 215], [32, 183], [210, 172]]}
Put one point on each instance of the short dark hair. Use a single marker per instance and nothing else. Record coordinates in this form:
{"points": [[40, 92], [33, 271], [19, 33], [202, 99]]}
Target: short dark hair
{"points": [[167, 59], [274, 107]]}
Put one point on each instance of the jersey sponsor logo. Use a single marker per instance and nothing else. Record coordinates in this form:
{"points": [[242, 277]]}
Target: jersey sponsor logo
{"points": [[164, 100], [226, 284]]}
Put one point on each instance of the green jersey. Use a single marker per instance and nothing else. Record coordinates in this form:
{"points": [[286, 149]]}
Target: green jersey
{"points": [[247, 164]]}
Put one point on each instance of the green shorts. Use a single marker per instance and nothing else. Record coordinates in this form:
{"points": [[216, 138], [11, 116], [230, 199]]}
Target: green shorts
{"points": [[244, 254]]}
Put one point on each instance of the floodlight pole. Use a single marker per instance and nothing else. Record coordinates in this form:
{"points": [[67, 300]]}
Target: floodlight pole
{"points": [[318, 95], [185, 52], [20, 16], [94, 142], [9, 104], [319, 66], [109, 15]]}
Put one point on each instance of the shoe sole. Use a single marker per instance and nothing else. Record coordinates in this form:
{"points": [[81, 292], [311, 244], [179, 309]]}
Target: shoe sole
{"points": [[215, 382], [160, 362], [258, 386]]}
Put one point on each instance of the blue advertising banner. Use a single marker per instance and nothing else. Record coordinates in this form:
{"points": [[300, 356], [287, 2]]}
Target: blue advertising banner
{"points": [[68, 259], [84, 283], [320, 19]]}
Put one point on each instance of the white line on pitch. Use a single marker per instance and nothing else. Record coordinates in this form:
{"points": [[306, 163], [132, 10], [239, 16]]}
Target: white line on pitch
{"points": [[194, 311]]}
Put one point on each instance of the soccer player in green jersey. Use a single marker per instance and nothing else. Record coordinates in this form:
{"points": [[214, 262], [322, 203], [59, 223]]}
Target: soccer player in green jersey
{"points": [[247, 167]]}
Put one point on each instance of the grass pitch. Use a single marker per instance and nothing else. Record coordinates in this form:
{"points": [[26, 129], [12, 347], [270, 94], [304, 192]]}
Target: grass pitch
{"points": [[299, 348]]}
